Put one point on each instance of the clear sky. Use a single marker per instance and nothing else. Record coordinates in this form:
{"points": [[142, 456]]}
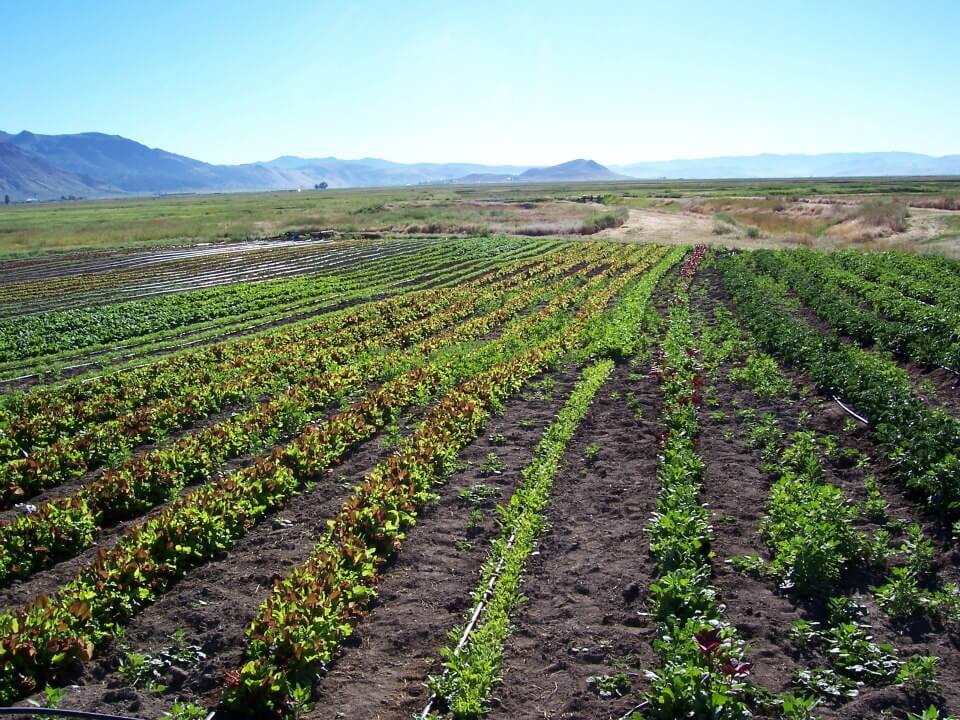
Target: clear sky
{"points": [[513, 81]]}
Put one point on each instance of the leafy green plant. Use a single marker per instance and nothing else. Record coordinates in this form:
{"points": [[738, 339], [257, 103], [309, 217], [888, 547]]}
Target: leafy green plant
{"points": [[918, 551], [491, 465], [874, 508], [610, 686], [901, 596], [918, 675], [591, 452], [798, 707], [187, 711]]}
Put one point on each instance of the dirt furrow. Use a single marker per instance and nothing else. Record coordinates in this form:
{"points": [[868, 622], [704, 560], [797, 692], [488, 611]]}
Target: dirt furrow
{"points": [[585, 613], [427, 589]]}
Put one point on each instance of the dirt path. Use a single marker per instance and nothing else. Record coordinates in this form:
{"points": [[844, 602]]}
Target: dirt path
{"points": [[586, 586], [426, 591], [673, 228]]}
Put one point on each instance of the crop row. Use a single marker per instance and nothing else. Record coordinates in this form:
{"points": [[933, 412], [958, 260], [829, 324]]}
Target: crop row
{"points": [[888, 269], [55, 335], [49, 466], [312, 609], [66, 526], [471, 664], [920, 443], [906, 326], [42, 638], [192, 530], [247, 368], [702, 670], [813, 543], [104, 397], [94, 286]]}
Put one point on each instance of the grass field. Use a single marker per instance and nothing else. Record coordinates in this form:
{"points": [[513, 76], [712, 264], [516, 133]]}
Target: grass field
{"points": [[474, 210], [469, 477]]}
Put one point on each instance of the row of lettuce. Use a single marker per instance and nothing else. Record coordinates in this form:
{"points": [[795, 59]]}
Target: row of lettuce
{"points": [[314, 604], [55, 334], [234, 375], [86, 281]]}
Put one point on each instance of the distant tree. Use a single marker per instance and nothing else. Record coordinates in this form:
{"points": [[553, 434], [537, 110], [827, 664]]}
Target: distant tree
{"points": [[6, 199], [321, 185]]}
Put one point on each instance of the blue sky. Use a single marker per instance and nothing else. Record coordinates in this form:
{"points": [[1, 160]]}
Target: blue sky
{"points": [[521, 82]]}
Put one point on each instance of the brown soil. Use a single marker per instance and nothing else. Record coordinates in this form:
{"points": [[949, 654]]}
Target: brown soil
{"points": [[657, 226], [427, 589], [586, 586], [214, 603], [737, 491]]}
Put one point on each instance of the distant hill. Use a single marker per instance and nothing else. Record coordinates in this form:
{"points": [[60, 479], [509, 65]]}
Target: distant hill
{"points": [[93, 164], [23, 176], [788, 166], [128, 166], [574, 170], [371, 172]]}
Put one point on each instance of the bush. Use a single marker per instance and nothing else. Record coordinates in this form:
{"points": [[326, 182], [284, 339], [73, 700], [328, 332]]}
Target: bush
{"points": [[601, 221], [885, 214]]}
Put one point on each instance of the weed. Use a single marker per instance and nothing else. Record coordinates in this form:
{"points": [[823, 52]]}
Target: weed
{"points": [[610, 686], [479, 494], [491, 465], [591, 452]]}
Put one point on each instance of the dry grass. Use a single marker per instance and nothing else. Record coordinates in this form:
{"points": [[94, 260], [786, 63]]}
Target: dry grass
{"points": [[885, 215], [946, 202]]}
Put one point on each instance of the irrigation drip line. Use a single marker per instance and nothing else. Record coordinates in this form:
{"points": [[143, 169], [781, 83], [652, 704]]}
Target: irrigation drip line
{"points": [[850, 412], [58, 712], [476, 616], [637, 708]]}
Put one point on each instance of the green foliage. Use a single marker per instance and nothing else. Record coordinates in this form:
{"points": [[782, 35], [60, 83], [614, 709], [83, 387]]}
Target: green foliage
{"points": [[610, 686]]}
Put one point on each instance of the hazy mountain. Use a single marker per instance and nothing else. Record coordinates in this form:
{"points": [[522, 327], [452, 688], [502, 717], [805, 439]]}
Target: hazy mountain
{"points": [[573, 170], [128, 166], [97, 165], [23, 176], [375, 172], [777, 166]]}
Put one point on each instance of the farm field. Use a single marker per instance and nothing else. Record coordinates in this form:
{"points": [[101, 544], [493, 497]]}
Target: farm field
{"points": [[554, 475]]}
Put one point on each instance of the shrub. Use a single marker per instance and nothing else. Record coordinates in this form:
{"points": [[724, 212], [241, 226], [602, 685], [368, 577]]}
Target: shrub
{"points": [[885, 214]]}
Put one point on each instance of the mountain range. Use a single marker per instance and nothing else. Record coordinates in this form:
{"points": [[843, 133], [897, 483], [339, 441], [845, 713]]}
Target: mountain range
{"points": [[44, 167]]}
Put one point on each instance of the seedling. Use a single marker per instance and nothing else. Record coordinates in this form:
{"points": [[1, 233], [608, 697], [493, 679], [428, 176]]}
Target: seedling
{"points": [[491, 465], [187, 711], [474, 520], [610, 686], [874, 507], [497, 439], [591, 452], [479, 494], [918, 675]]}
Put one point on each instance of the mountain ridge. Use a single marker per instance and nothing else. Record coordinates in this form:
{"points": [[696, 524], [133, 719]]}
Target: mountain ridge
{"points": [[92, 164]]}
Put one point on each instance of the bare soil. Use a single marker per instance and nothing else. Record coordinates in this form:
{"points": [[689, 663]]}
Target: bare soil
{"points": [[587, 584], [427, 589]]}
